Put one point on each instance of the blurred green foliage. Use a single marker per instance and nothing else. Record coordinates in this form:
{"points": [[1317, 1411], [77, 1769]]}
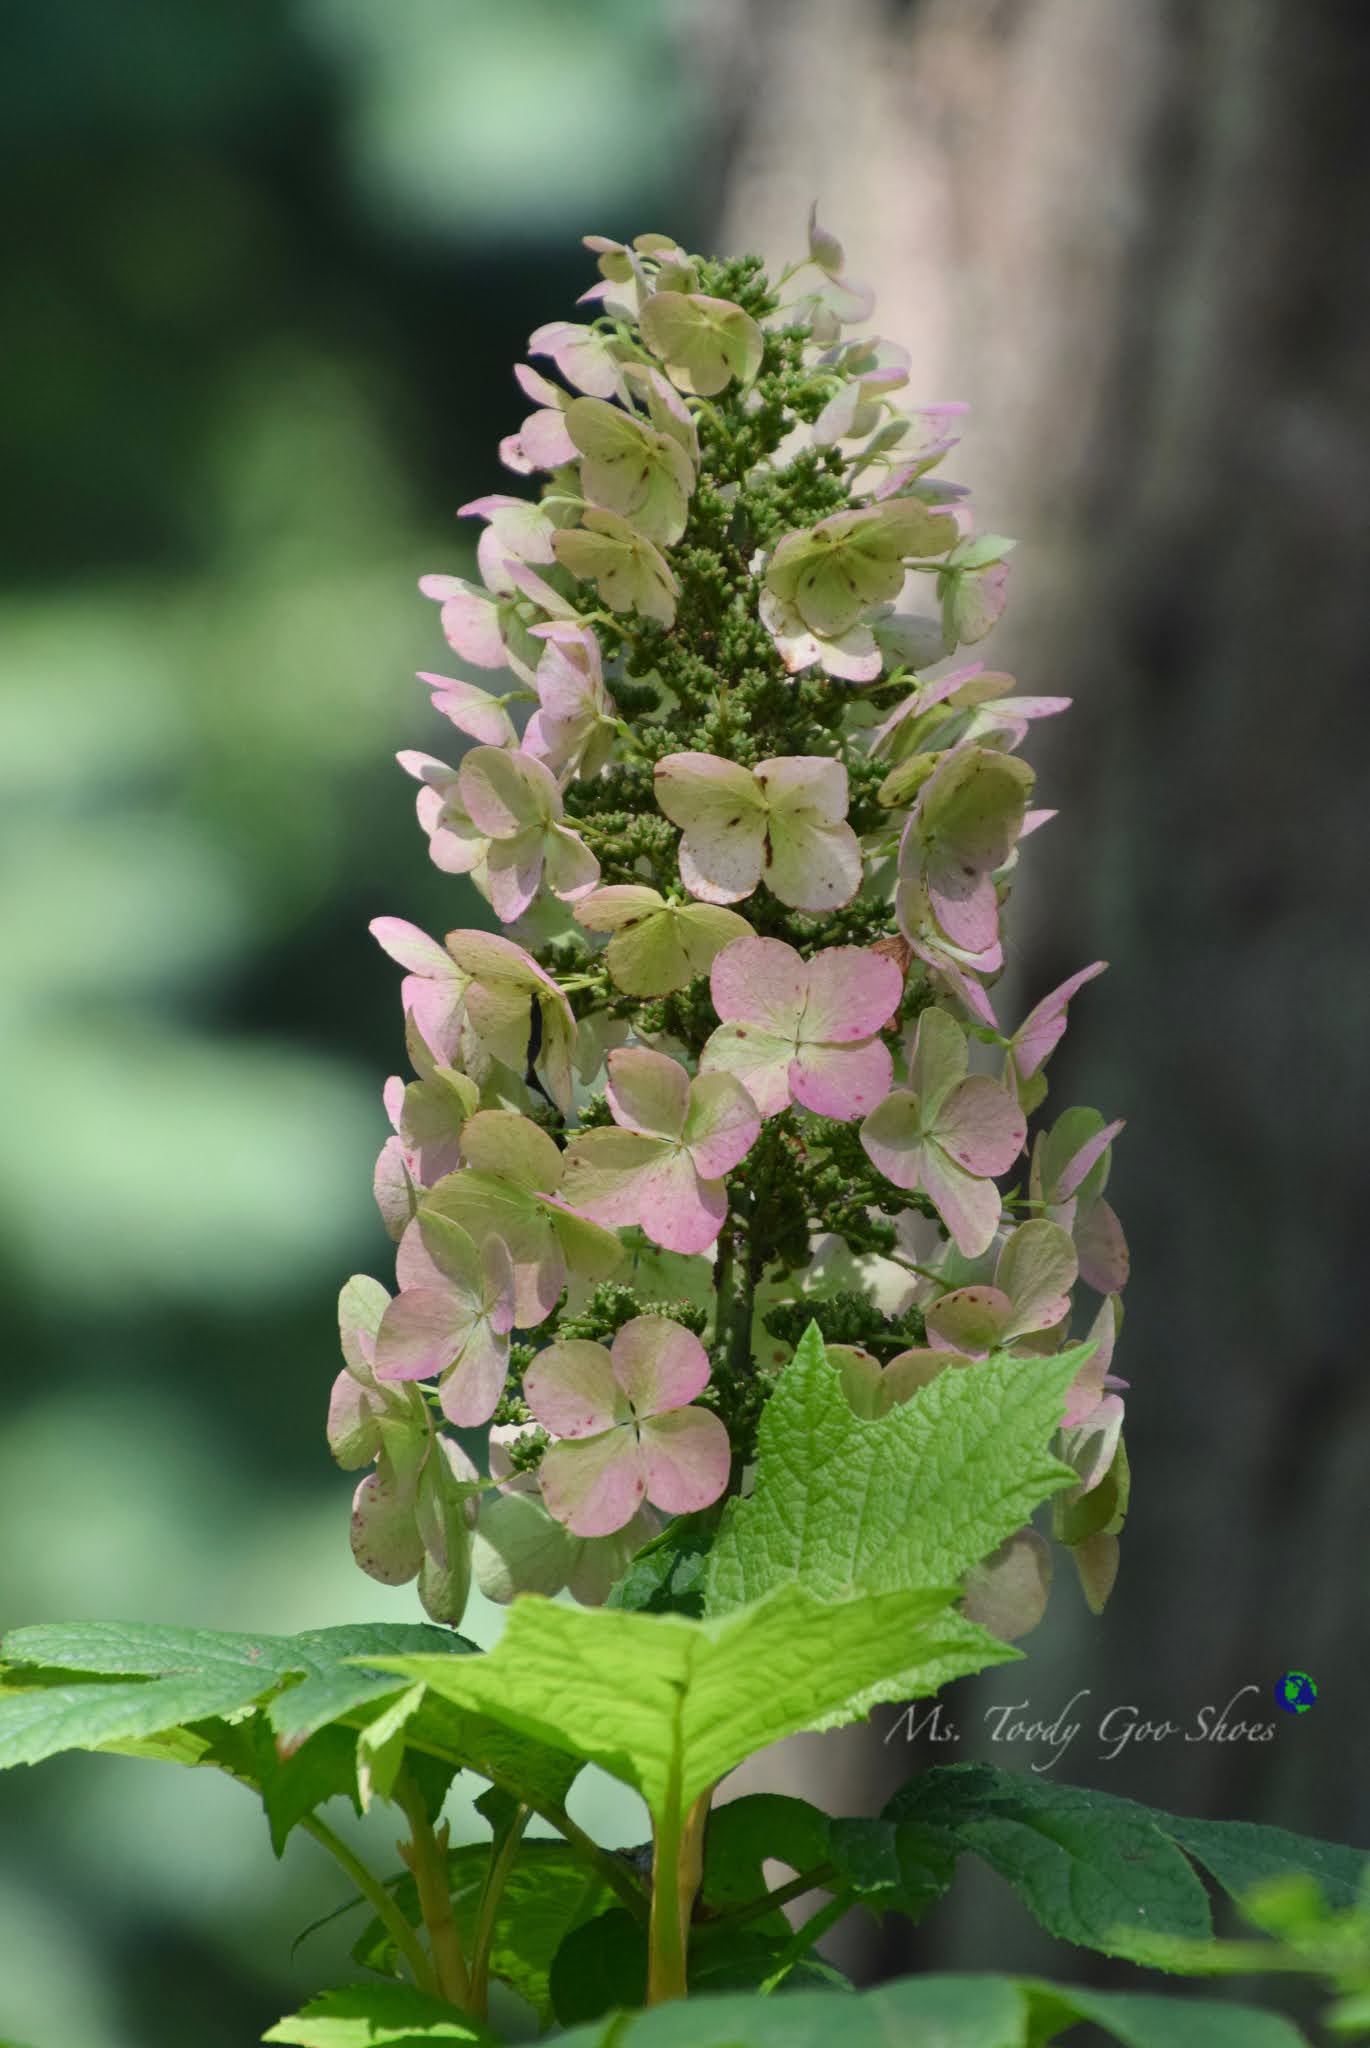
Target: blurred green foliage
{"points": [[266, 267]]}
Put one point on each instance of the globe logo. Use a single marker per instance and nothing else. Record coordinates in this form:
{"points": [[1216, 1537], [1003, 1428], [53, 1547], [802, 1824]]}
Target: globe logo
{"points": [[1295, 1691]]}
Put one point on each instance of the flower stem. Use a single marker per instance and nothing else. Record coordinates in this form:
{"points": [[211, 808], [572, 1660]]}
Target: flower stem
{"points": [[677, 1868], [426, 1854], [501, 1863], [378, 1898]]}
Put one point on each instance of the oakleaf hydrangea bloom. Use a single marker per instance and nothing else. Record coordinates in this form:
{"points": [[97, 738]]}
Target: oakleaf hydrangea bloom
{"points": [[412, 1513], [657, 946], [507, 1188], [947, 1135], [750, 819], [452, 1317], [784, 820], [572, 731], [1031, 1292], [663, 1166], [626, 1430], [515, 802], [803, 1031]]}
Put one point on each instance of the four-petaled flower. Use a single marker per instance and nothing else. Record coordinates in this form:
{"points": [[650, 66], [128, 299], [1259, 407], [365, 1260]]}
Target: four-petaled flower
{"points": [[509, 1187], [1040, 1032], [663, 1164], [784, 820], [657, 946], [973, 586], [833, 571], [804, 1031], [946, 1136], [411, 1514], [1031, 1293], [631, 468], [572, 731], [1069, 1173], [481, 997], [963, 828], [514, 801], [625, 1428], [451, 1317]]}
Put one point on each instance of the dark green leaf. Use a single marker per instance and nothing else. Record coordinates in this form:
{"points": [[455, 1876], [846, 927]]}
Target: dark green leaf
{"points": [[1090, 1873], [602, 1966], [667, 1576]]}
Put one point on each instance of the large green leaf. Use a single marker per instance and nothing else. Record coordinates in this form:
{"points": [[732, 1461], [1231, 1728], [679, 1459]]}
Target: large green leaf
{"points": [[1090, 1874], [914, 1498], [670, 1705], [1140, 2019], [1239, 1855], [939, 2012], [929, 2012], [377, 2016], [146, 1679], [1110, 1874]]}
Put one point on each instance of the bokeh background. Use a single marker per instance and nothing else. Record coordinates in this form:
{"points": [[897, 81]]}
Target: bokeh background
{"points": [[265, 268]]}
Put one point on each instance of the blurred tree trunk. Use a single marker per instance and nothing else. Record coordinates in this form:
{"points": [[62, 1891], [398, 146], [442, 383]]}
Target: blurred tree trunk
{"points": [[1133, 235]]}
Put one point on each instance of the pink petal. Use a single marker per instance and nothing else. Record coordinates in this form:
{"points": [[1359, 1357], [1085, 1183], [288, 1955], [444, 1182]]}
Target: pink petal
{"points": [[965, 904], [470, 621], [762, 982], [606, 1172], [412, 948], [981, 1127], [659, 1364], [842, 1081], [513, 871], [852, 993], [421, 1333], [969, 1207], [687, 1457], [393, 1187], [1044, 1026], [471, 1390], [680, 1210], [573, 1390], [1101, 1248], [471, 710], [385, 1542], [1078, 1168], [545, 441], [676, 1207], [722, 1125], [596, 1485]]}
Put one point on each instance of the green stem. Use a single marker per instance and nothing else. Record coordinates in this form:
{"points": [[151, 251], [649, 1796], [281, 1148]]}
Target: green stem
{"points": [[501, 1863], [819, 1879], [426, 1854], [677, 1867], [378, 1898], [614, 1873], [813, 1929]]}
